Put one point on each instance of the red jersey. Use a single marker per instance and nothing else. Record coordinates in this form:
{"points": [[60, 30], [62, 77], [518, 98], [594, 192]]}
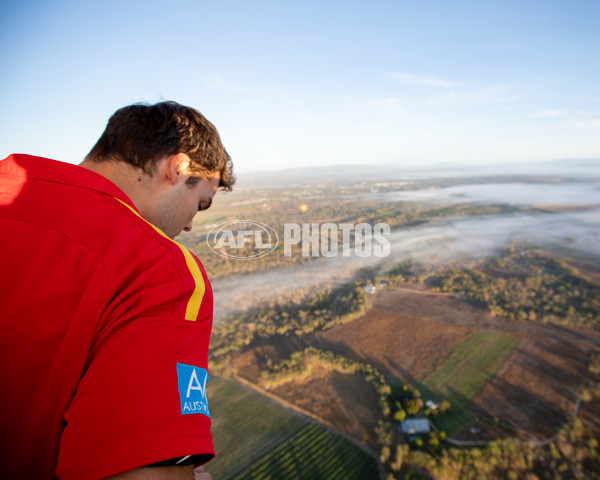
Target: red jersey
{"points": [[104, 330]]}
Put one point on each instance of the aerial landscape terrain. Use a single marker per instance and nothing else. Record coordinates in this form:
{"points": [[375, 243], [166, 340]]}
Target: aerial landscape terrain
{"points": [[470, 348], [406, 274]]}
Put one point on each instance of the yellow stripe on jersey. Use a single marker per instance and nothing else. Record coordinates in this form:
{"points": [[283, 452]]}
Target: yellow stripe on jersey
{"points": [[193, 306]]}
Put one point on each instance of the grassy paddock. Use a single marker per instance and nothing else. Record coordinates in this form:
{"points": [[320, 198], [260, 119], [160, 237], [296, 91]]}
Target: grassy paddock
{"points": [[256, 438], [472, 363], [317, 454], [245, 427]]}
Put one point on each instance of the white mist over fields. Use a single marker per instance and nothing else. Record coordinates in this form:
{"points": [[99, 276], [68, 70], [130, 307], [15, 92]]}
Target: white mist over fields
{"points": [[526, 194], [571, 224]]}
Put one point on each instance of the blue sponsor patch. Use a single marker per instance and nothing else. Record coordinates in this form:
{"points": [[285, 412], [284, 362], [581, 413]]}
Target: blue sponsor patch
{"points": [[191, 382]]}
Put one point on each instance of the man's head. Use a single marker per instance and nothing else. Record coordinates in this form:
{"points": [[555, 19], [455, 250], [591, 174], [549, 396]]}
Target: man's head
{"points": [[142, 135], [167, 158]]}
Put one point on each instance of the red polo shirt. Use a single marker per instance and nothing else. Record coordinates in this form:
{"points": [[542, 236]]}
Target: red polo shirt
{"points": [[104, 330]]}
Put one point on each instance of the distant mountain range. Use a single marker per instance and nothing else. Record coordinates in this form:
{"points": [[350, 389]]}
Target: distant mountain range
{"points": [[576, 168]]}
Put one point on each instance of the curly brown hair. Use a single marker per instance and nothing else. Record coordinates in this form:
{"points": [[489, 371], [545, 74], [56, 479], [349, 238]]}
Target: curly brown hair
{"points": [[143, 134]]}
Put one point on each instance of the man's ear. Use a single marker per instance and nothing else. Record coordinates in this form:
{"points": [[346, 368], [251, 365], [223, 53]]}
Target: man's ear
{"points": [[176, 166]]}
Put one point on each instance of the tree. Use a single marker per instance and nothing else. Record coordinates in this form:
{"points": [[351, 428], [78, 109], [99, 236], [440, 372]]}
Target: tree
{"points": [[401, 451], [414, 406], [385, 454], [400, 415], [444, 406]]}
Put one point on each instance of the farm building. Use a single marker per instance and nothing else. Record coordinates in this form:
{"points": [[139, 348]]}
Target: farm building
{"points": [[415, 426], [370, 289]]}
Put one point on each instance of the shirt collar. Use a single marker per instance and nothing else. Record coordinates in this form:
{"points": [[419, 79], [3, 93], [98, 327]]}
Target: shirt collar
{"points": [[30, 166]]}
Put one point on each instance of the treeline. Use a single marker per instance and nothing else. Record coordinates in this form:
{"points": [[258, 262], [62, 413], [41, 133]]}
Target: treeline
{"points": [[407, 403], [524, 285], [300, 364], [572, 455], [519, 284], [319, 311]]}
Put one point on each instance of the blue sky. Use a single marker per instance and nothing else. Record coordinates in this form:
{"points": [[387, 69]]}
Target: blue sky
{"points": [[291, 84]]}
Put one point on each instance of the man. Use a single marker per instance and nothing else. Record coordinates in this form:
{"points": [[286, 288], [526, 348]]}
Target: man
{"points": [[104, 319]]}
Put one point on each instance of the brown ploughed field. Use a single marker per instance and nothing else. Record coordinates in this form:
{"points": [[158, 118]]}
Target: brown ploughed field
{"points": [[403, 346], [346, 402], [536, 390]]}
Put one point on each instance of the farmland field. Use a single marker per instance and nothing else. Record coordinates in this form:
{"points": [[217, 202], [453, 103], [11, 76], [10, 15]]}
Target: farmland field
{"points": [[470, 366], [242, 428], [405, 346], [314, 453], [536, 390], [347, 402], [253, 436]]}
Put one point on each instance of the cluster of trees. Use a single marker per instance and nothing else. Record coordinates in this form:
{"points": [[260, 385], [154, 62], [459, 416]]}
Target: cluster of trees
{"points": [[408, 401], [573, 455], [469, 209], [319, 311], [300, 364], [517, 284], [525, 285]]}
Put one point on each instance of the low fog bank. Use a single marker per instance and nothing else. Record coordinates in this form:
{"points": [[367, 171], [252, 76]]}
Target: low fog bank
{"points": [[525, 194], [434, 243], [574, 169]]}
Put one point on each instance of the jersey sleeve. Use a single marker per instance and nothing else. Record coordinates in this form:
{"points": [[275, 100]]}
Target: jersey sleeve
{"points": [[142, 397]]}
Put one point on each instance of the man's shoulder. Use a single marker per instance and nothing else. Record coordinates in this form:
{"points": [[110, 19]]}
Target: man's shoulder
{"points": [[34, 169], [33, 166], [86, 209], [44, 194]]}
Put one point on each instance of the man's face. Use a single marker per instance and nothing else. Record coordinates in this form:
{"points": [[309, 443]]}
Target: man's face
{"points": [[179, 205]]}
